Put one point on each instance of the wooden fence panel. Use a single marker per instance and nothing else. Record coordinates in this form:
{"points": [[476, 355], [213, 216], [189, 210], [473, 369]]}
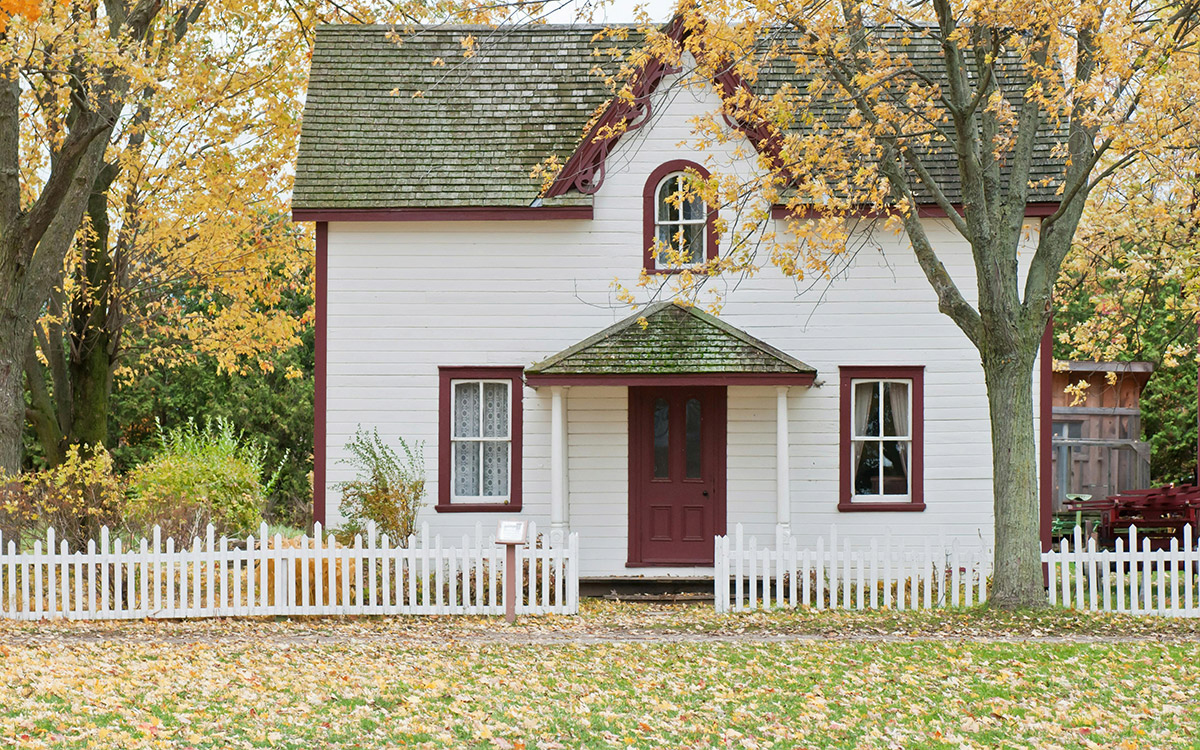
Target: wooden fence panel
{"points": [[1130, 578], [841, 576], [264, 575]]}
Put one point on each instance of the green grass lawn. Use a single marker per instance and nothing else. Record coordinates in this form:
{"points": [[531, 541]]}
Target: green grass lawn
{"points": [[478, 683]]}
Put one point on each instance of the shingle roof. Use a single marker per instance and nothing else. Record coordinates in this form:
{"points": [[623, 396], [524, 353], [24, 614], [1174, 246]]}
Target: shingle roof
{"points": [[482, 123], [675, 341], [925, 55]]}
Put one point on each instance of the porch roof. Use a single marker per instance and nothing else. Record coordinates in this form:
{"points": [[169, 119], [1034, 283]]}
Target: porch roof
{"points": [[677, 345]]}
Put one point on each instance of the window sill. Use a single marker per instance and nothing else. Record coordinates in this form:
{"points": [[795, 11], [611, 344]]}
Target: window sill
{"points": [[478, 508], [669, 271], [861, 507]]}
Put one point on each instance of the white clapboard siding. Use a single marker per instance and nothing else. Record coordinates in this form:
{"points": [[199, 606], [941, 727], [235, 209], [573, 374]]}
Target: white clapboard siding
{"points": [[838, 575], [1130, 578], [272, 576]]}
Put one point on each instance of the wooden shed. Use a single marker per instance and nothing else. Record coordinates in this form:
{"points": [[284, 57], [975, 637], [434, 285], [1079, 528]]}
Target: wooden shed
{"points": [[1098, 449]]}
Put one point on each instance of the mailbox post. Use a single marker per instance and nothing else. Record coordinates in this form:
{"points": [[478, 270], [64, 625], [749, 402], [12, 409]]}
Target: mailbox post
{"points": [[511, 534]]}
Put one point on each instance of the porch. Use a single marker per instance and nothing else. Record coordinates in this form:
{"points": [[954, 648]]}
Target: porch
{"points": [[665, 429]]}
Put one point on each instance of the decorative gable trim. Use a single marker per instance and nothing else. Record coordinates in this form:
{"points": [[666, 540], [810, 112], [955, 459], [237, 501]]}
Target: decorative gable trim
{"points": [[584, 170]]}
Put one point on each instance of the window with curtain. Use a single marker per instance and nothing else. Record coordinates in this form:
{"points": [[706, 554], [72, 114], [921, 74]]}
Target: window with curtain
{"points": [[680, 224], [881, 439], [481, 440]]}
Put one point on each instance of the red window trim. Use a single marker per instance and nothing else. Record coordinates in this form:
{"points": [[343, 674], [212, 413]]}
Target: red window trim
{"points": [[650, 211], [445, 376], [847, 374]]}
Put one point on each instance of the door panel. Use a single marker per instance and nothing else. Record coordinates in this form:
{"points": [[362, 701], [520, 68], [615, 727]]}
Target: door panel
{"points": [[676, 474]]}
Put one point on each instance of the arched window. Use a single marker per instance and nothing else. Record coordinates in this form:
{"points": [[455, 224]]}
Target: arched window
{"points": [[679, 226]]}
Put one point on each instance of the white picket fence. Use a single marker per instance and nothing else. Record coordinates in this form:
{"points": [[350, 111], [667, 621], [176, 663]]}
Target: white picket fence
{"points": [[834, 576], [277, 576], [1126, 578]]}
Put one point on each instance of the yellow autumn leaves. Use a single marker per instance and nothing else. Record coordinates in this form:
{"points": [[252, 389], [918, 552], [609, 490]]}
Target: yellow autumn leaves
{"points": [[473, 683]]}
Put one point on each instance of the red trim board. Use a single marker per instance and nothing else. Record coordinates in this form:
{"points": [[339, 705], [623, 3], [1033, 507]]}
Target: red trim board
{"points": [[444, 213], [929, 211], [584, 168], [736, 378], [320, 371]]}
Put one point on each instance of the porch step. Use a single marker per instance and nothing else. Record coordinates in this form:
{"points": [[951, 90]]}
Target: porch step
{"points": [[648, 589], [696, 597]]}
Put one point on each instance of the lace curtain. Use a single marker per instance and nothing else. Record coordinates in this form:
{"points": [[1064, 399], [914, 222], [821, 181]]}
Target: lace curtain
{"points": [[481, 439]]}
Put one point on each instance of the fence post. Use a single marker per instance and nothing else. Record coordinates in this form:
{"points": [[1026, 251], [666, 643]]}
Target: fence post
{"points": [[737, 568], [718, 569], [1147, 580], [52, 592], [820, 574], [1120, 574], [573, 595], [793, 568], [833, 566], [372, 557], [1190, 557]]}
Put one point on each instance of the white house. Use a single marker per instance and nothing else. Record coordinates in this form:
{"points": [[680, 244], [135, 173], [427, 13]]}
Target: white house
{"points": [[457, 307]]}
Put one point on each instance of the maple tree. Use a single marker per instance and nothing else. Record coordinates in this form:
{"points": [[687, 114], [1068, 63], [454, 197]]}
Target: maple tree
{"points": [[185, 242], [857, 141], [1130, 290], [9, 8], [145, 148], [77, 77]]}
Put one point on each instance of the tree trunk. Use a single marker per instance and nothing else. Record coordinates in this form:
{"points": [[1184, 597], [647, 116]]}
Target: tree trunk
{"points": [[91, 385], [90, 364], [41, 412], [13, 347], [1018, 561]]}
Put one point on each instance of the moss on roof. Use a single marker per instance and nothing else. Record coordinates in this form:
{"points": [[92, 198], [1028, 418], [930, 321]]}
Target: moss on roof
{"points": [[416, 124], [675, 341], [387, 126]]}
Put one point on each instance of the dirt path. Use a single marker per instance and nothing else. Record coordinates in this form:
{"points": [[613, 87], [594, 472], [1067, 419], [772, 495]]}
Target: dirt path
{"points": [[291, 635]]}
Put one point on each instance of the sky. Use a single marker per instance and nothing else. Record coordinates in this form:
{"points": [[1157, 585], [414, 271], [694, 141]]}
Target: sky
{"points": [[616, 11]]}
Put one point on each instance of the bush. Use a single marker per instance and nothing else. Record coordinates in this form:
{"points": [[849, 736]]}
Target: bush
{"points": [[386, 490], [200, 476], [76, 498]]}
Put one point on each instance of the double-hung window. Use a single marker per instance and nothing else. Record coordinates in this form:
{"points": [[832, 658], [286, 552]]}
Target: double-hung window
{"points": [[882, 434], [479, 449]]}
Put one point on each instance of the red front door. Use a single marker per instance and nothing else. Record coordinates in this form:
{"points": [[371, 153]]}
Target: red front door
{"points": [[676, 474]]}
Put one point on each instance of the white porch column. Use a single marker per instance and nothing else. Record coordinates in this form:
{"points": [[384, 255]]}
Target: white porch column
{"points": [[783, 507], [558, 459]]}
